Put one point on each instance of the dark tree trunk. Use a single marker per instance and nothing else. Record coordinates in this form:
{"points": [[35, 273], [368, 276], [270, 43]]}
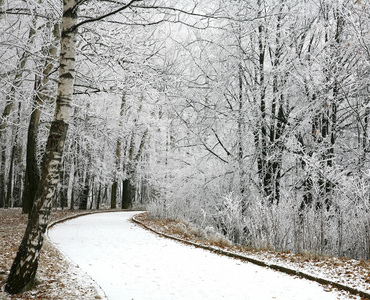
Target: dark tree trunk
{"points": [[113, 199], [72, 206], [32, 175], [85, 194], [128, 194], [99, 197]]}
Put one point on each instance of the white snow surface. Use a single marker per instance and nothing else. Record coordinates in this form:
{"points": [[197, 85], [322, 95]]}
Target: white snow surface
{"points": [[129, 262]]}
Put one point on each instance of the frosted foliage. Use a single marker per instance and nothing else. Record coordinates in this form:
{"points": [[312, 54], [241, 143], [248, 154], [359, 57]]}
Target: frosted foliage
{"points": [[270, 144], [342, 231]]}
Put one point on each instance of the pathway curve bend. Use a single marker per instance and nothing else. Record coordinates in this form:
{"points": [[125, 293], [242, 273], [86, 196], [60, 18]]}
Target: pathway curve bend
{"points": [[129, 262]]}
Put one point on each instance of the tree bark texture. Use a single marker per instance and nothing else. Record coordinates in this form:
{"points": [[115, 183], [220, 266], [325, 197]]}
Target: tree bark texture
{"points": [[23, 271]]}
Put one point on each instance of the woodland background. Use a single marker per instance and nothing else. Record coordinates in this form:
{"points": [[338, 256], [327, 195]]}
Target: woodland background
{"points": [[250, 118]]}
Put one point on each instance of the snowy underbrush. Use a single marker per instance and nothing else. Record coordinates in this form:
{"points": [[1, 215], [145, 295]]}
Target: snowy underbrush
{"points": [[341, 230], [183, 227]]}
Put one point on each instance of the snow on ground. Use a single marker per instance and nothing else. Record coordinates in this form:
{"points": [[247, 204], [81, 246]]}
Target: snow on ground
{"points": [[129, 262]]}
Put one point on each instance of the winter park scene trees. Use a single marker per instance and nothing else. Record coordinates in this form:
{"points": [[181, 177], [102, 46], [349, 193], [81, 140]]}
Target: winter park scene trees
{"points": [[242, 126]]}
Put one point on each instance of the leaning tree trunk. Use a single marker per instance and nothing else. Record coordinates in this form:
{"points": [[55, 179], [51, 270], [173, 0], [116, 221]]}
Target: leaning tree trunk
{"points": [[23, 271]]}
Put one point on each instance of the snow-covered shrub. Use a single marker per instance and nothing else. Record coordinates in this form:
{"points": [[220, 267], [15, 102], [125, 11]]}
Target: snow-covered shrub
{"points": [[209, 230], [196, 231], [156, 210], [229, 219], [217, 239], [179, 228], [352, 222]]}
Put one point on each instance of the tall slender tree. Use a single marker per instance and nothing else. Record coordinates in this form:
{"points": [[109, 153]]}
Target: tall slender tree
{"points": [[23, 271]]}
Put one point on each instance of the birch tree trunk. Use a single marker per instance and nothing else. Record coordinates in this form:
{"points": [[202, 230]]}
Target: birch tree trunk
{"points": [[23, 271]]}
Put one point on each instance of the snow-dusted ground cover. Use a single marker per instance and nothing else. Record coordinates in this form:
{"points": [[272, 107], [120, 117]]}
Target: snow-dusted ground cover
{"points": [[57, 278], [129, 262]]}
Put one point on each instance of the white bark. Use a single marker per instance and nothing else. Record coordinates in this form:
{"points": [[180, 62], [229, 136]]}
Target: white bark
{"points": [[67, 63]]}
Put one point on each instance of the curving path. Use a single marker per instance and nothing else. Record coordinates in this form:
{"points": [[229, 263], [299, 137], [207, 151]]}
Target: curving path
{"points": [[129, 262]]}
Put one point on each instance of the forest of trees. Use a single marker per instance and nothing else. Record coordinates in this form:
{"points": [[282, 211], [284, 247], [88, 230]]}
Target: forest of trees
{"points": [[248, 116]]}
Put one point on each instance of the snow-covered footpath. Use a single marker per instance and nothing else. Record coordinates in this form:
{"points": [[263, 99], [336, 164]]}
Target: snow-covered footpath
{"points": [[129, 262]]}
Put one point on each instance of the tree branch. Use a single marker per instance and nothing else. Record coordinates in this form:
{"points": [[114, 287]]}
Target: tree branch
{"points": [[214, 153], [221, 144], [104, 16]]}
